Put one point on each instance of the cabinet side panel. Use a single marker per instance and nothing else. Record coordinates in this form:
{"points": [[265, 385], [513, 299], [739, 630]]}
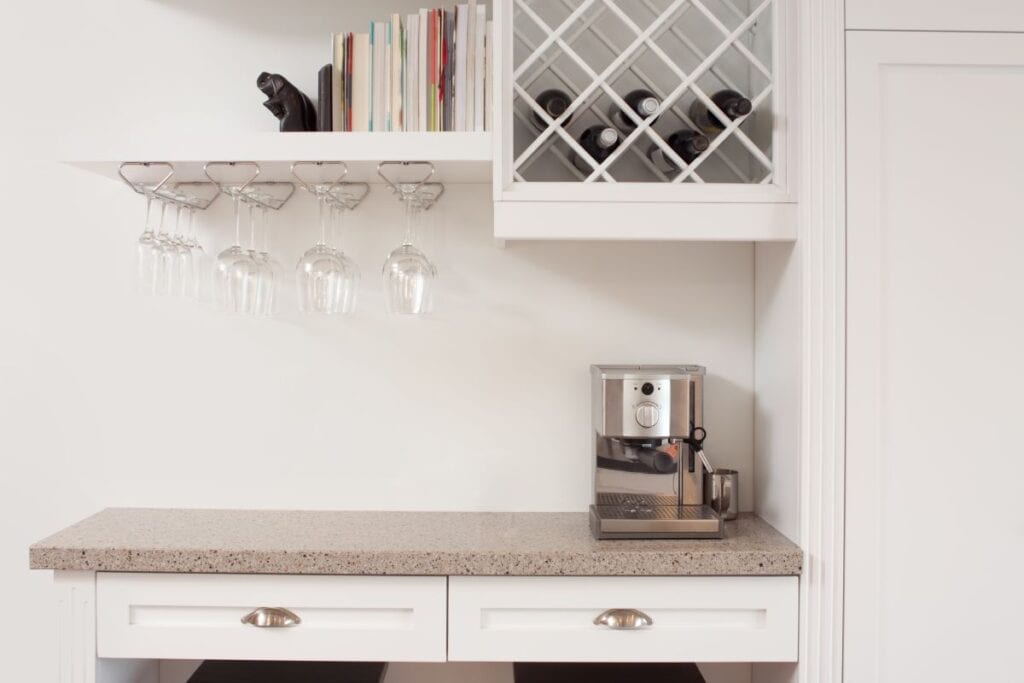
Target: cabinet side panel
{"points": [[777, 363]]}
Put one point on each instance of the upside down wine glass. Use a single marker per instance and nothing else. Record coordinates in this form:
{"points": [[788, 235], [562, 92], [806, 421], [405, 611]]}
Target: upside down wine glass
{"points": [[270, 270], [326, 279], [226, 281], [146, 252], [408, 273]]}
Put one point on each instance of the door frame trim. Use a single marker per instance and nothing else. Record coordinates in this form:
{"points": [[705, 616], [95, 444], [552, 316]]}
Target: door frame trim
{"points": [[822, 239]]}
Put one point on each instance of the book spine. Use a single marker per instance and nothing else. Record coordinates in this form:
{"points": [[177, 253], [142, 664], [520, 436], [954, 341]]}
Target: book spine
{"points": [[350, 56], [459, 91], [488, 82], [372, 75], [386, 89], [421, 75], [471, 66], [448, 78], [439, 71], [361, 71], [480, 69], [337, 45]]}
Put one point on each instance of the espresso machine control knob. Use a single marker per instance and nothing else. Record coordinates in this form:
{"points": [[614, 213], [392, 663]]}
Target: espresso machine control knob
{"points": [[647, 414]]}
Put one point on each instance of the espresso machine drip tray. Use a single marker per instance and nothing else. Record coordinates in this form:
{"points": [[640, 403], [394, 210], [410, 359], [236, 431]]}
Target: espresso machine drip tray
{"points": [[626, 519]]}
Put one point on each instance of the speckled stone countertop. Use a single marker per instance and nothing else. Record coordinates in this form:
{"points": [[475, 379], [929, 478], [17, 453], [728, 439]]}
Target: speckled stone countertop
{"points": [[411, 543]]}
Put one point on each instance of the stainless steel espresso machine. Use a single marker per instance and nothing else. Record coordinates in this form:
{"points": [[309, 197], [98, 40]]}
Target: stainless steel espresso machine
{"points": [[648, 439]]}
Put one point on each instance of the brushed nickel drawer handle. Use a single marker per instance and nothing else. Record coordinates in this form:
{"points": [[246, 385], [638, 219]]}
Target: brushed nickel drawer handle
{"points": [[625, 619], [271, 617]]}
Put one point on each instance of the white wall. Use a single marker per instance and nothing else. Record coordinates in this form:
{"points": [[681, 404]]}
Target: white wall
{"points": [[108, 398]]}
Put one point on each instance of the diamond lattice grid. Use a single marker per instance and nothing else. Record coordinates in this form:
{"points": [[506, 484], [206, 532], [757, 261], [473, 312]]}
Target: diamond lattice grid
{"points": [[680, 50]]}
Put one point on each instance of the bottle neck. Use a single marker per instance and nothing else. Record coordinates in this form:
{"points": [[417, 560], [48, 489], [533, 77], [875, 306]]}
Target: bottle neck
{"points": [[606, 138]]}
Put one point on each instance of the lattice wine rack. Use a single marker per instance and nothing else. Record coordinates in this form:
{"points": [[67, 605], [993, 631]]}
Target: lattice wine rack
{"points": [[680, 53]]}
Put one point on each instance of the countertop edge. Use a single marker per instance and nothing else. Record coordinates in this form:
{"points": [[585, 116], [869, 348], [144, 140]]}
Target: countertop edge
{"points": [[425, 563]]}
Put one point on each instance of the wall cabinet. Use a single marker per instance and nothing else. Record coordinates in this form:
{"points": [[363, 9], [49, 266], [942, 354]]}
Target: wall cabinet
{"points": [[547, 186], [933, 529]]}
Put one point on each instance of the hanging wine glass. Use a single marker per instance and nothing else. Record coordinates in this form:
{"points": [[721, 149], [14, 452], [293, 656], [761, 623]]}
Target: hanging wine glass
{"points": [[269, 270], [147, 252], [181, 267], [408, 274], [256, 274], [247, 271], [325, 279], [198, 257], [223, 290], [147, 178], [343, 200], [166, 251], [228, 269]]}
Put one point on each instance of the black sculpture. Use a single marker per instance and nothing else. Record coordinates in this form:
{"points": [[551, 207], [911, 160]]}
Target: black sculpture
{"points": [[287, 103]]}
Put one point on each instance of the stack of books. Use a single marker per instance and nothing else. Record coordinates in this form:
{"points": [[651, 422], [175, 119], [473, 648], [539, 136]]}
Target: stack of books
{"points": [[427, 72]]}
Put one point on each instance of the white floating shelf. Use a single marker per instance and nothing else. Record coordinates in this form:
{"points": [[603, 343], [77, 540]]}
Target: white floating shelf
{"points": [[459, 157]]}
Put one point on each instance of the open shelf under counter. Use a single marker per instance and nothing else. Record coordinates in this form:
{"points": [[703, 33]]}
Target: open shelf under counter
{"points": [[458, 157]]}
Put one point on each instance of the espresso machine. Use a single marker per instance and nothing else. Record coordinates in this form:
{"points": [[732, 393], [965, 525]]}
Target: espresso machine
{"points": [[648, 453]]}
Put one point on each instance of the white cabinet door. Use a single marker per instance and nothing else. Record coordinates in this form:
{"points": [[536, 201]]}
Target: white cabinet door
{"points": [[935, 462], [936, 15]]}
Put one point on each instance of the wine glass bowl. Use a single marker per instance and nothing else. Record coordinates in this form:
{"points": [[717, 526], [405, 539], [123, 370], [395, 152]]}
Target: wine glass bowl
{"points": [[408, 281], [326, 280]]}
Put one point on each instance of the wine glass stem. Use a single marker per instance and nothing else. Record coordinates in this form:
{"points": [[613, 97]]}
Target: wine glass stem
{"points": [[149, 213], [252, 227], [323, 220], [409, 215], [339, 214], [238, 221], [265, 224]]}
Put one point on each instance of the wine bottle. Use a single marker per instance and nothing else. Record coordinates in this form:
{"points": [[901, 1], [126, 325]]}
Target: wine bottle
{"points": [[642, 102], [688, 144], [599, 142], [732, 104], [554, 102]]}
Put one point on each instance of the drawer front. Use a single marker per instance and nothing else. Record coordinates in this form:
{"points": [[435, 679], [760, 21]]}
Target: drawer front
{"points": [[694, 619], [199, 616]]}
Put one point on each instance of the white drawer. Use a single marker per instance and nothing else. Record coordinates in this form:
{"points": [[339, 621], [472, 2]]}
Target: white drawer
{"points": [[199, 616], [695, 619]]}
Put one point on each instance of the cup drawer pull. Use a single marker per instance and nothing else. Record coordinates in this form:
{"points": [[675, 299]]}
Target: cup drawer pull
{"points": [[271, 617], [623, 619]]}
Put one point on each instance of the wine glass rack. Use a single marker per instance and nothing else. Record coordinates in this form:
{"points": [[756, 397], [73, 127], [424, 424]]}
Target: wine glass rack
{"points": [[156, 180], [681, 51]]}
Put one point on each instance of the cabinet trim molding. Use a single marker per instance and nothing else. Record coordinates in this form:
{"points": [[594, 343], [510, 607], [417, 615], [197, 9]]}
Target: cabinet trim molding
{"points": [[823, 249]]}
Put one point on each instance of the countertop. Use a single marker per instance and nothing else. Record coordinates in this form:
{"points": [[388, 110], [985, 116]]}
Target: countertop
{"points": [[410, 543]]}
